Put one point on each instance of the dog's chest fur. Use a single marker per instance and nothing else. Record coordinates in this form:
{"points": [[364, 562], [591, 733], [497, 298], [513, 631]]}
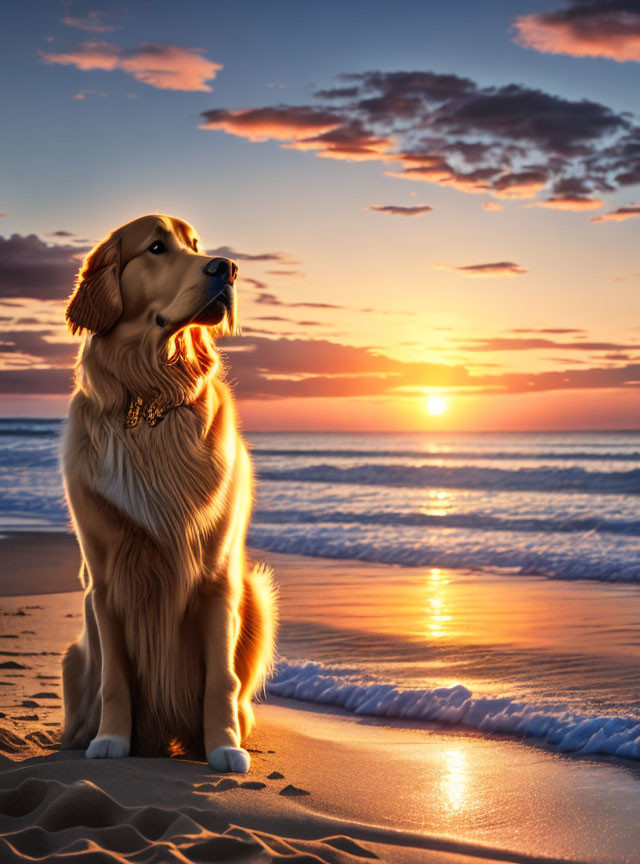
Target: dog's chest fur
{"points": [[165, 479], [122, 481]]}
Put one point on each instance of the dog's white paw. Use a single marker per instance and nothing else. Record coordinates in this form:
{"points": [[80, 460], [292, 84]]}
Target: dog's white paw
{"points": [[108, 747], [229, 759]]}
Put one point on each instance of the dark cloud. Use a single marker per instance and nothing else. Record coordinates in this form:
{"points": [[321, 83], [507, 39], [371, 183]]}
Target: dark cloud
{"points": [[270, 299], [522, 184], [510, 141], [319, 306], [572, 379], [36, 382], [585, 28], [554, 331], [397, 210], [68, 234], [534, 344], [519, 114], [387, 96], [35, 345], [31, 268], [229, 252], [285, 320], [338, 93], [498, 268], [617, 164], [256, 284], [571, 186]]}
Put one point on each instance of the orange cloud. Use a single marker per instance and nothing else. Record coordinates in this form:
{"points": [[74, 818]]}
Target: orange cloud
{"points": [[166, 67], [492, 206], [310, 368], [569, 202], [436, 170], [303, 128], [282, 123], [498, 268], [619, 215], [585, 28], [349, 141]]}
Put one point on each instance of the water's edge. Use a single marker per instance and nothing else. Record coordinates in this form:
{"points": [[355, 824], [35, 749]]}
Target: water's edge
{"points": [[563, 730]]}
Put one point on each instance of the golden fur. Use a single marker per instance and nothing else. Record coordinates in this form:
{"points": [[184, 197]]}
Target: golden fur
{"points": [[178, 626]]}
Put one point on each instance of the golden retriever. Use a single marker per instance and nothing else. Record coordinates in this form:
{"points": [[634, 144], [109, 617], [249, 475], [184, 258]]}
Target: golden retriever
{"points": [[178, 628]]}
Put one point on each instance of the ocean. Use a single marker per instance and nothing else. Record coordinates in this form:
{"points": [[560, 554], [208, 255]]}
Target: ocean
{"points": [[512, 599]]}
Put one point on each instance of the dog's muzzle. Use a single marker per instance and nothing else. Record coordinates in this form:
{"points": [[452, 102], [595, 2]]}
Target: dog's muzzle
{"points": [[223, 272], [219, 296]]}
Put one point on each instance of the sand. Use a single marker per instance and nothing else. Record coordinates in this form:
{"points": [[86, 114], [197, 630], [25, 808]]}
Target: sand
{"points": [[322, 787]]}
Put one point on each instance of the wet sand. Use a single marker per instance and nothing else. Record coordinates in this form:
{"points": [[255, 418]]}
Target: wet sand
{"points": [[322, 784]]}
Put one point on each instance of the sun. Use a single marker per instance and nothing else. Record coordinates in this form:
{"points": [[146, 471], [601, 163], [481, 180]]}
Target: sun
{"points": [[436, 405]]}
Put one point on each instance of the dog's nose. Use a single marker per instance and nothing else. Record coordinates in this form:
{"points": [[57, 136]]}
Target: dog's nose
{"points": [[224, 268]]}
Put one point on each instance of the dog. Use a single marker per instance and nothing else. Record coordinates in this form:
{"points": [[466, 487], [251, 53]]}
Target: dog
{"points": [[178, 625]]}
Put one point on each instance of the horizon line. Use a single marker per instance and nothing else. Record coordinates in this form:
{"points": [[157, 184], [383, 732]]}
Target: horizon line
{"points": [[377, 431]]}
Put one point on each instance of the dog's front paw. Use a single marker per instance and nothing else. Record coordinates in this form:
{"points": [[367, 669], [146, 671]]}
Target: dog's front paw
{"points": [[229, 759], [108, 747]]}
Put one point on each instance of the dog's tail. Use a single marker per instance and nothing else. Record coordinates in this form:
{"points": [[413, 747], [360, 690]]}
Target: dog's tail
{"points": [[255, 645]]}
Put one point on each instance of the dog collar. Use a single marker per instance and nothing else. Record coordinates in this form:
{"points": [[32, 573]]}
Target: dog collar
{"points": [[139, 410]]}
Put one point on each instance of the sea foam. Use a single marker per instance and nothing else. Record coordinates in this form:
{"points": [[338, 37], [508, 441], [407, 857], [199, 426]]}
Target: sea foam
{"points": [[564, 730]]}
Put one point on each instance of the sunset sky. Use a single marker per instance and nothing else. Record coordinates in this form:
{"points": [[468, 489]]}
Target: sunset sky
{"points": [[424, 197]]}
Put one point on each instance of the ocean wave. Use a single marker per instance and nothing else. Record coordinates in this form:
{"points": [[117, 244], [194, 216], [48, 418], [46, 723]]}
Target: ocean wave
{"points": [[564, 730], [32, 460], [474, 521], [488, 455], [468, 477], [520, 555], [25, 427]]}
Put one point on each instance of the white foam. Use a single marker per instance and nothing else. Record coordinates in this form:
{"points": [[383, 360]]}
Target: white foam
{"points": [[565, 730]]}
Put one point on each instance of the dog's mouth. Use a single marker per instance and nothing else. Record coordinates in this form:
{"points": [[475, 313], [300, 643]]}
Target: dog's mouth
{"points": [[219, 304]]}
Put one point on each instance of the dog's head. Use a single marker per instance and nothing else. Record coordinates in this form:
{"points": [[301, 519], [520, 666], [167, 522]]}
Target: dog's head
{"points": [[148, 280]]}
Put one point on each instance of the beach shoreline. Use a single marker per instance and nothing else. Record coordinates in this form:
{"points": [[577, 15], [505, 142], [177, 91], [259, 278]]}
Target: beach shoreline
{"points": [[323, 782]]}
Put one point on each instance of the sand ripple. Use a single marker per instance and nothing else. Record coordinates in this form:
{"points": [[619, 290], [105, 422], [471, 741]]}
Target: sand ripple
{"points": [[52, 821]]}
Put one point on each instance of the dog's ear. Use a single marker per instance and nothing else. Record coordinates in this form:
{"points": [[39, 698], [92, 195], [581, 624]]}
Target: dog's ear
{"points": [[96, 303]]}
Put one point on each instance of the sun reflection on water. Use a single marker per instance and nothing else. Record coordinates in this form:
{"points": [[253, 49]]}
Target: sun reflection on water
{"points": [[438, 617], [455, 780], [439, 503]]}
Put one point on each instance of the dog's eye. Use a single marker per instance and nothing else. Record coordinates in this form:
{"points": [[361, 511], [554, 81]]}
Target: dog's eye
{"points": [[157, 248]]}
